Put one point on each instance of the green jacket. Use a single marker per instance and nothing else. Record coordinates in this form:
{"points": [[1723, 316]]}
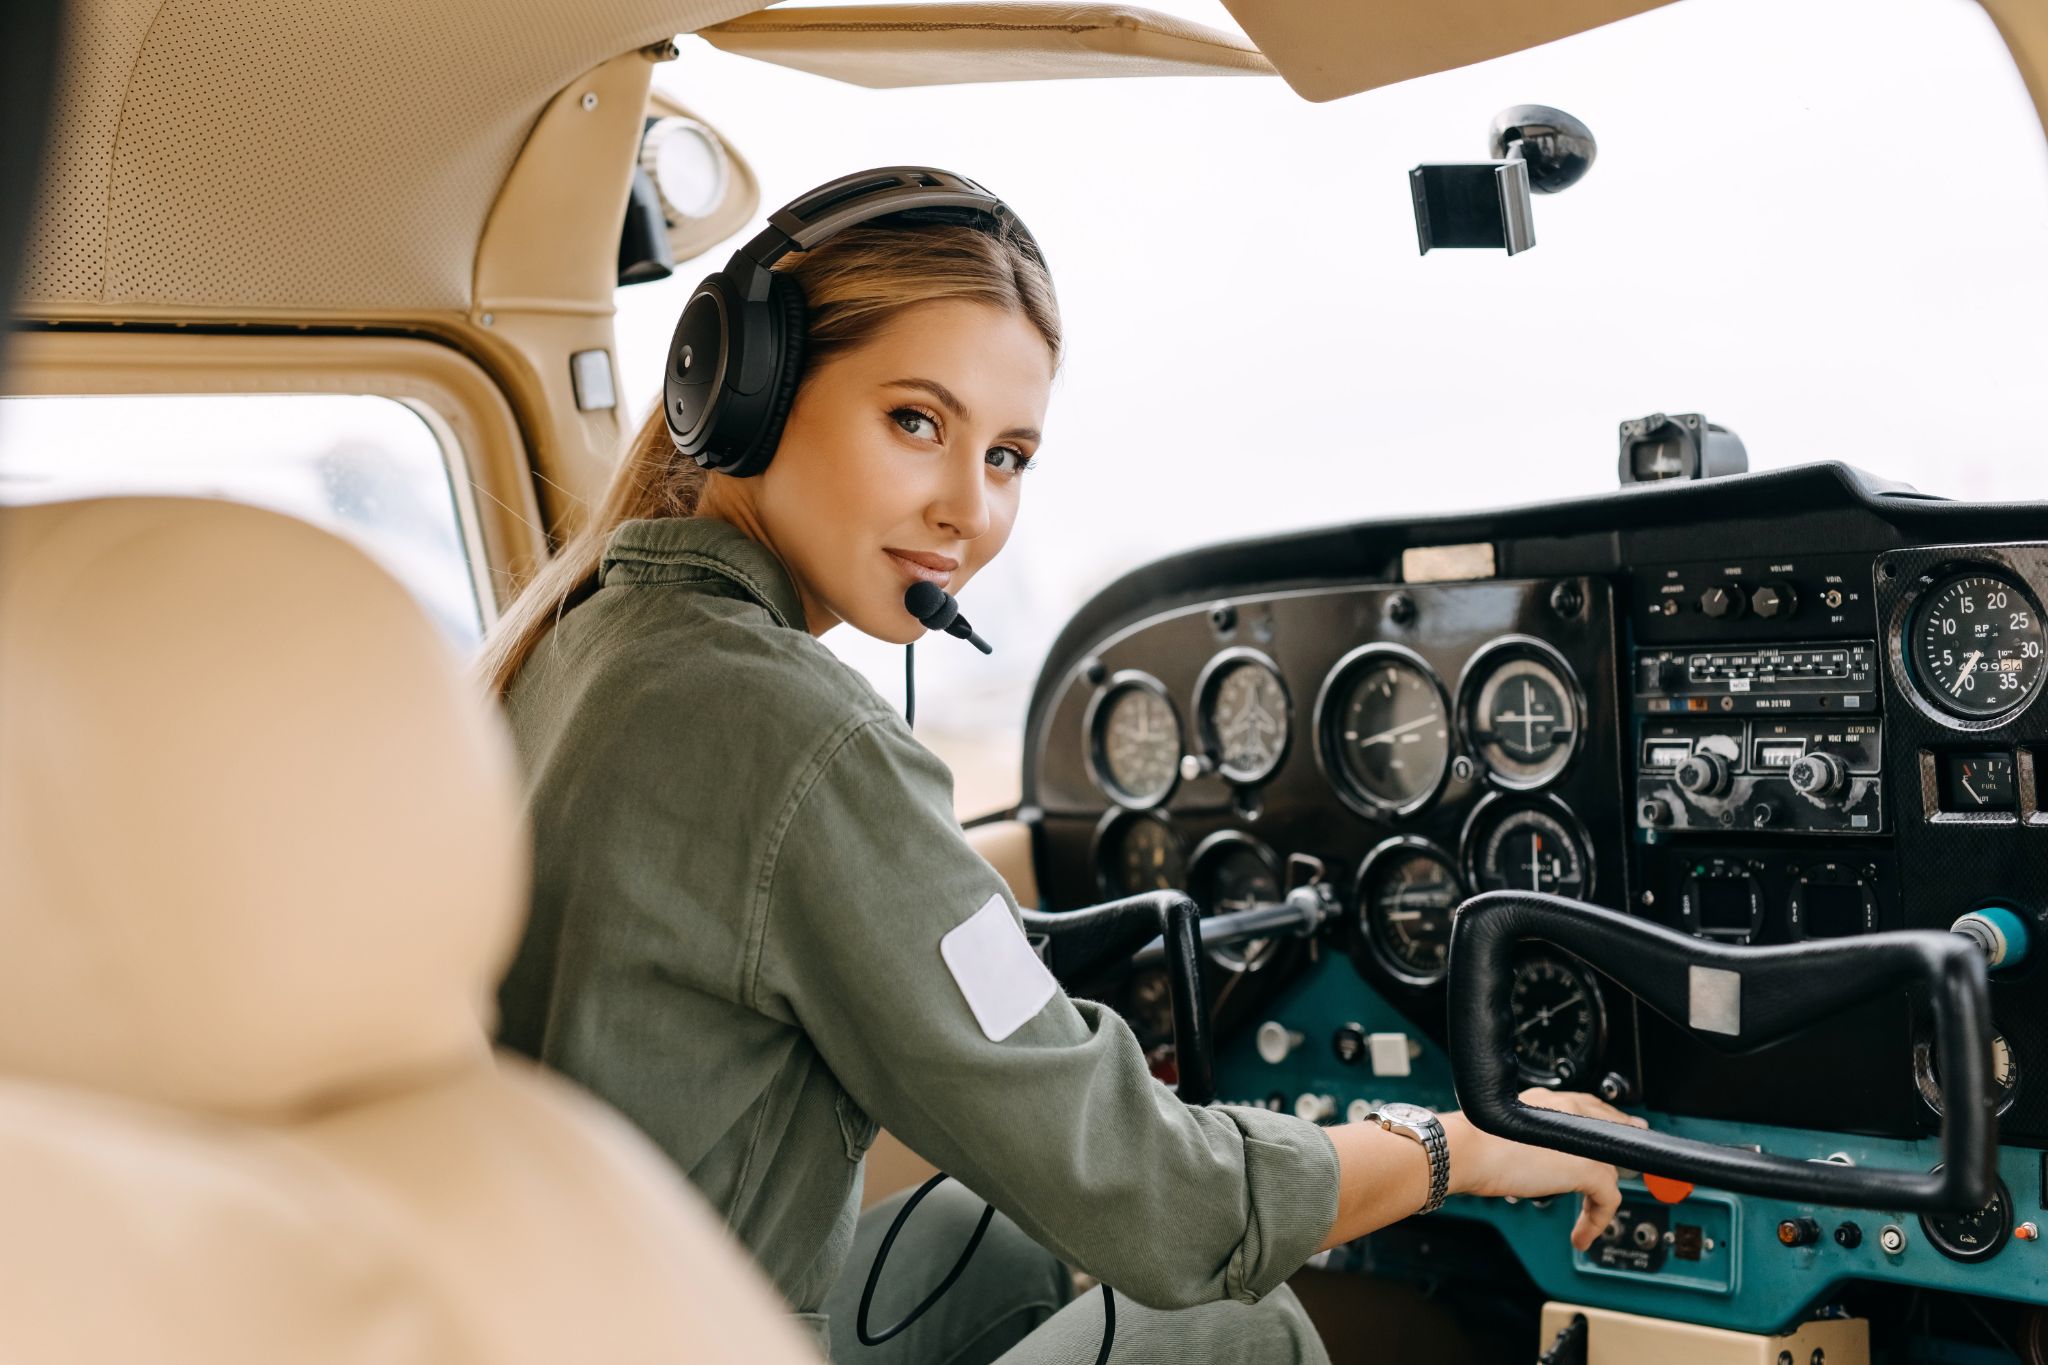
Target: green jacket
{"points": [[744, 866]]}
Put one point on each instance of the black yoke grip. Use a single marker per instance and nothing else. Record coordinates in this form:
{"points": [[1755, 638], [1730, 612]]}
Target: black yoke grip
{"points": [[1082, 944], [1737, 999]]}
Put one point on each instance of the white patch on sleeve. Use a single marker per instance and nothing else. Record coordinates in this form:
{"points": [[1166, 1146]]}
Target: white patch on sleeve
{"points": [[992, 963]]}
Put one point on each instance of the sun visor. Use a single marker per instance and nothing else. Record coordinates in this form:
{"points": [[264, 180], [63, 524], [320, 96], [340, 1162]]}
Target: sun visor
{"points": [[1326, 49], [885, 46]]}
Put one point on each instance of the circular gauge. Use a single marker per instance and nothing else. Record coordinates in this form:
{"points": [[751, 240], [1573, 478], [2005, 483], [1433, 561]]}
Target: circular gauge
{"points": [[1232, 872], [1408, 890], [1974, 1236], [1243, 710], [1148, 1004], [1384, 730], [1522, 712], [1135, 740], [1559, 1018], [2005, 1074], [1974, 642], [1522, 847], [1135, 853]]}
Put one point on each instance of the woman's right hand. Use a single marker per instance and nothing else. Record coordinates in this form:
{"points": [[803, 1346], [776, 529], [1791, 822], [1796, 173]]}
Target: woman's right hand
{"points": [[1483, 1164]]}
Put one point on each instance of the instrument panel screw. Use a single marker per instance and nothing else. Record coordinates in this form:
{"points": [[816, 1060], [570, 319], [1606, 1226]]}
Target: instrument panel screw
{"points": [[1567, 600], [1401, 609], [1224, 619], [1094, 671], [589, 100]]}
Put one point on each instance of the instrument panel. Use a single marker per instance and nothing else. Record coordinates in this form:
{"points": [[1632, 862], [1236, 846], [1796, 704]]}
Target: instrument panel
{"points": [[1819, 722]]}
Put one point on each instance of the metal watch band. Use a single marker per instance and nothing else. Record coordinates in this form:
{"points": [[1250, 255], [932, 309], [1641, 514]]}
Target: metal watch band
{"points": [[1426, 1128]]}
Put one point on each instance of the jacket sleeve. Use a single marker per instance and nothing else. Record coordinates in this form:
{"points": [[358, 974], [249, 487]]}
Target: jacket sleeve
{"points": [[1058, 1123]]}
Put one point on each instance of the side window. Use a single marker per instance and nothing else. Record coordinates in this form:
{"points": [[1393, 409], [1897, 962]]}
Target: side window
{"points": [[368, 469]]}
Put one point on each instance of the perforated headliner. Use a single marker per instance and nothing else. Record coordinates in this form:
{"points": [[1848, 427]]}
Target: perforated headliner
{"points": [[211, 154]]}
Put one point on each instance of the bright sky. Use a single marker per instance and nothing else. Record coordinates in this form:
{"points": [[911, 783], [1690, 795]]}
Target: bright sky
{"points": [[1820, 222]]}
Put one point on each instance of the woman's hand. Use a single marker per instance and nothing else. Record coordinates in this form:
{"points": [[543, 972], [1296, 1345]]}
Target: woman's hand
{"points": [[1483, 1164]]}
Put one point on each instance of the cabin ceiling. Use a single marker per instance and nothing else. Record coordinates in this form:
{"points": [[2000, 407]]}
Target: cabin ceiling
{"points": [[216, 152]]}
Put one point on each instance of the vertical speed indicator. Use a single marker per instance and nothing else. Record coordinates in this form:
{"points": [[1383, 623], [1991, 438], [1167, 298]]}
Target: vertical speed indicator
{"points": [[1974, 644]]}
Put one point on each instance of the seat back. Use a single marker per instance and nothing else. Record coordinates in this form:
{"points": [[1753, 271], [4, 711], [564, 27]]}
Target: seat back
{"points": [[261, 865]]}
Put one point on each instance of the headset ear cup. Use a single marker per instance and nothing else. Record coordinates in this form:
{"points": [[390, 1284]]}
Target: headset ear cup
{"points": [[786, 301]]}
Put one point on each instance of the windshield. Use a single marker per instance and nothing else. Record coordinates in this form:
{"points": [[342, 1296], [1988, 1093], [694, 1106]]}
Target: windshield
{"points": [[1821, 224]]}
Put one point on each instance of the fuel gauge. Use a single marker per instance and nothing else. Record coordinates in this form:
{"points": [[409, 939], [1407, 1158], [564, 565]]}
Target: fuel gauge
{"points": [[1975, 782]]}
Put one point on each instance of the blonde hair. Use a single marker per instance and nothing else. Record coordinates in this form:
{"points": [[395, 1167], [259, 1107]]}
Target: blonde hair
{"points": [[855, 284]]}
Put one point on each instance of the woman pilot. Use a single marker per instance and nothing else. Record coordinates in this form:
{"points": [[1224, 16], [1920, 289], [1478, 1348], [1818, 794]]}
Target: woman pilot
{"points": [[758, 928]]}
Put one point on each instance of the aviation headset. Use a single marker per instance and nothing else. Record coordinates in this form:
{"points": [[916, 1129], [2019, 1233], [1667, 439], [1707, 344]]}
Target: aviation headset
{"points": [[737, 355]]}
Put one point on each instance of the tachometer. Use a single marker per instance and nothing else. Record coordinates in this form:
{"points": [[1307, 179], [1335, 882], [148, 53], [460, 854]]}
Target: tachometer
{"points": [[1408, 890], [1528, 847], [1135, 740], [1384, 729], [1975, 645], [1521, 712], [1559, 1018], [1242, 709]]}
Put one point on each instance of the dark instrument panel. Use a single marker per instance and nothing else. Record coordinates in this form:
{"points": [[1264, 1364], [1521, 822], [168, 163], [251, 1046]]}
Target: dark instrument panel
{"points": [[1760, 709]]}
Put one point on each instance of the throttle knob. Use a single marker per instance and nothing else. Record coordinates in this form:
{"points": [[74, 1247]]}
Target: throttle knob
{"points": [[1824, 777], [1704, 774]]}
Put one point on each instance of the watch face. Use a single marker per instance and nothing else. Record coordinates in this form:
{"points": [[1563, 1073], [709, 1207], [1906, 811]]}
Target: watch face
{"points": [[1407, 1113]]}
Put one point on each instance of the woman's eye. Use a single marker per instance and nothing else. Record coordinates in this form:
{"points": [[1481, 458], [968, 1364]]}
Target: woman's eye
{"points": [[1018, 464], [908, 418]]}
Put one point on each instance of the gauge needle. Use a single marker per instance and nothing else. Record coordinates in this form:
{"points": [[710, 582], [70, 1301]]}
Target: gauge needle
{"points": [[1543, 1015], [1536, 864], [1387, 736], [1969, 667], [1970, 789]]}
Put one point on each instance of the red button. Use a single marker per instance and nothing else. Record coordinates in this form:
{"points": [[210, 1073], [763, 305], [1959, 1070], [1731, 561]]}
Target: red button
{"points": [[1665, 1190]]}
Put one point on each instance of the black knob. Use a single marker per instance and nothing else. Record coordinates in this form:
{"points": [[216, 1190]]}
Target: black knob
{"points": [[1704, 774], [1774, 600], [1798, 1232], [1763, 813], [1348, 1043], [1849, 1235], [1723, 601], [1656, 812], [1824, 777]]}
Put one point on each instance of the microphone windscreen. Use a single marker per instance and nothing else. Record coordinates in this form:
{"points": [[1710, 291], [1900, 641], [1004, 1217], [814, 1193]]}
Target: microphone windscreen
{"points": [[930, 604]]}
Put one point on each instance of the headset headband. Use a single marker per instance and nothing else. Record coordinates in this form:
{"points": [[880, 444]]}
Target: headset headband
{"points": [[915, 193]]}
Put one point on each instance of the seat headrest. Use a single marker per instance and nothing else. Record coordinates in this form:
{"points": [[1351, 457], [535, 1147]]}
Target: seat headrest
{"points": [[260, 842]]}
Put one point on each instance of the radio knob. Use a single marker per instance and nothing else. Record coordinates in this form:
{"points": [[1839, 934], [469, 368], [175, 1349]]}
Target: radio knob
{"points": [[1656, 812], [1774, 600], [1704, 774], [1723, 601], [1824, 777]]}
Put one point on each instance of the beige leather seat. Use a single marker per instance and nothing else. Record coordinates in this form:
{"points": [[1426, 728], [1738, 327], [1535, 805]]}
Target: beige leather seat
{"points": [[261, 862]]}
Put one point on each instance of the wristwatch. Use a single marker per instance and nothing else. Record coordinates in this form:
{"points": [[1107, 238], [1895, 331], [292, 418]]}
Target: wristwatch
{"points": [[1426, 1128]]}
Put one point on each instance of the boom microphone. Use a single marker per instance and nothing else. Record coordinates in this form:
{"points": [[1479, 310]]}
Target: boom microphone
{"points": [[933, 606]]}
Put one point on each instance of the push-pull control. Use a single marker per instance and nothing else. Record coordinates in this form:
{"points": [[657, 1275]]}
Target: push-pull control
{"points": [[2001, 933], [1275, 1040]]}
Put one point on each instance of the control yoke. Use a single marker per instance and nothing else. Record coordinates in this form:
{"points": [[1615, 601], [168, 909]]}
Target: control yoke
{"points": [[1167, 927], [1737, 999]]}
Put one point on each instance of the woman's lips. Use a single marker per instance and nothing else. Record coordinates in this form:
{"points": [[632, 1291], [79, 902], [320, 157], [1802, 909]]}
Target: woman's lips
{"points": [[930, 573]]}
